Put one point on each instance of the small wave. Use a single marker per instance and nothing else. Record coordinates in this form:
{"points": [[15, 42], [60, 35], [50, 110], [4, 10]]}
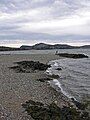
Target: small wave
{"points": [[55, 83], [74, 74], [58, 84]]}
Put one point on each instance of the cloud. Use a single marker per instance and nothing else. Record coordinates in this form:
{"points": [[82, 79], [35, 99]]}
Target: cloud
{"points": [[43, 20]]}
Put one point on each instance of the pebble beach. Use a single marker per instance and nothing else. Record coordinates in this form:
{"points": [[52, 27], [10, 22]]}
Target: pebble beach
{"points": [[17, 88]]}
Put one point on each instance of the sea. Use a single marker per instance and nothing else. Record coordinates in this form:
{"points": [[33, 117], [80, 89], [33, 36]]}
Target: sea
{"points": [[74, 78]]}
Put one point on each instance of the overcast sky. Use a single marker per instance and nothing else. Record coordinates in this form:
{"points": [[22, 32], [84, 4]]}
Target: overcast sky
{"points": [[50, 21]]}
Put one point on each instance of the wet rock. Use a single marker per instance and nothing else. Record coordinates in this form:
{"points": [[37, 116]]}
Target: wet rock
{"points": [[18, 69], [39, 111], [44, 79], [85, 116], [58, 69], [49, 78], [53, 76], [29, 66], [75, 56], [79, 105]]}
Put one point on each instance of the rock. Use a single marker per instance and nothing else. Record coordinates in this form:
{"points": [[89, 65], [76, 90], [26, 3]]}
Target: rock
{"points": [[53, 76], [75, 56], [29, 66], [44, 79], [39, 111], [58, 69], [55, 102], [18, 69], [79, 105]]}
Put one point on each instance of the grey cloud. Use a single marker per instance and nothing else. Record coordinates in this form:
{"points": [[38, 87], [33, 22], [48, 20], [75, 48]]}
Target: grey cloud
{"points": [[17, 5], [53, 9], [62, 7], [38, 36]]}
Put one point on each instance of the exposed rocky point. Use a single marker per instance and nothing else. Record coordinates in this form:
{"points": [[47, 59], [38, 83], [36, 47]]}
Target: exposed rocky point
{"points": [[75, 56], [29, 66]]}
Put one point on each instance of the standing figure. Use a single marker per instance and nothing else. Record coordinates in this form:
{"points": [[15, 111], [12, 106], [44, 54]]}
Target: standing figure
{"points": [[56, 52]]}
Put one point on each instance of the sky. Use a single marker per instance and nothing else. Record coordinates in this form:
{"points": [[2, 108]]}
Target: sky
{"points": [[27, 22]]}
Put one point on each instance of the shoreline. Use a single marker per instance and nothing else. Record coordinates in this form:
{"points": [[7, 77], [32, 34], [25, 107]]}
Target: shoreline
{"points": [[17, 88], [55, 83]]}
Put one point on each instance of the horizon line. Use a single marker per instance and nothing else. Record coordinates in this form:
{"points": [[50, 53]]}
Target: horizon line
{"points": [[16, 45]]}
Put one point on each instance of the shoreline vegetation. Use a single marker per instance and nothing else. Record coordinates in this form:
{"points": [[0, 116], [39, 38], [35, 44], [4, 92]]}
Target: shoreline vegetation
{"points": [[25, 88], [37, 110], [43, 46]]}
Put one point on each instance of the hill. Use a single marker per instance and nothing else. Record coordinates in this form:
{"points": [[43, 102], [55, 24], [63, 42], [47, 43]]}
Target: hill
{"points": [[85, 47], [3, 48], [43, 46]]}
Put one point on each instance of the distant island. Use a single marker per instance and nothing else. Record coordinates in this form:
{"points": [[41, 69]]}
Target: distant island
{"points": [[43, 46]]}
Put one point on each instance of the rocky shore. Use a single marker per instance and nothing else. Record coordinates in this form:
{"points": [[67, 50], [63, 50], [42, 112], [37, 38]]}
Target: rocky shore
{"points": [[39, 111], [26, 95], [17, 88]]}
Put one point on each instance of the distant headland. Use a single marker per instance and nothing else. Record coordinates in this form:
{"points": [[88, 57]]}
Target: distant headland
{"points": [[43, 46]]}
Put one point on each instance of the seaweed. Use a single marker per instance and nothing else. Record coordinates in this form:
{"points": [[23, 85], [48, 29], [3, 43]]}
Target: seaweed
{"points": [[29, 66], [39, 111]]}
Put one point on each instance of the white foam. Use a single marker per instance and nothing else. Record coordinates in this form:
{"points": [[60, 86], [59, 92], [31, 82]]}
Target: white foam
{"points": [[56, 64], [57, 83], [48, 71]]}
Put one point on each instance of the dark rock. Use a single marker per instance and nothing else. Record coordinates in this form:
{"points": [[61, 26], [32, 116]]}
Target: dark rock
{"points": [[75, 56], [29, 66], [17, 69], [53, 76], [33, 65], [39, 111], [79, 105], [85, 116], [44, 79], [58, 69]]}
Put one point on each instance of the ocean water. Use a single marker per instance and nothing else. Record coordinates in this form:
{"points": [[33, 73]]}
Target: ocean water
{"points": [[74, 78]]}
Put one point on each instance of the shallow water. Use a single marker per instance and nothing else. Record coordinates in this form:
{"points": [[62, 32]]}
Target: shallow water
{"points": [[47, 51], [74, 78]]}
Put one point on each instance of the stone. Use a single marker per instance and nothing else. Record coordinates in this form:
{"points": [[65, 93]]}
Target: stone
{"points": [[44, 79], [58, 69]]}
